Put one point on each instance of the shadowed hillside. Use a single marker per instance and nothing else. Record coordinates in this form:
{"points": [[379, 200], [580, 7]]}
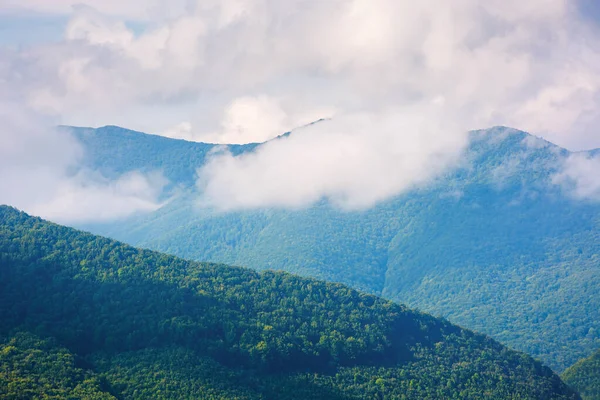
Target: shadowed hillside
{"points": [[105, 319]]}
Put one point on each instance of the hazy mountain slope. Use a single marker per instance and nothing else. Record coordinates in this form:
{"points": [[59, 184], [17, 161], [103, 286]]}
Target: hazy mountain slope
{"points": [[143, 324], [584, 377], [493, 245], [114, 150]]}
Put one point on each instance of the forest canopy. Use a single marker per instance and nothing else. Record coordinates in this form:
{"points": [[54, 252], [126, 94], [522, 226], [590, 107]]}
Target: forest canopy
{"points": [[114, 320]]}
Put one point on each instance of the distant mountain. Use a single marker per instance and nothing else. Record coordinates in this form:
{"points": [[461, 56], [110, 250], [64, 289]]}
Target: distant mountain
{"points": [[115, 150], [584, 377], [87, 317], [493, 245]]}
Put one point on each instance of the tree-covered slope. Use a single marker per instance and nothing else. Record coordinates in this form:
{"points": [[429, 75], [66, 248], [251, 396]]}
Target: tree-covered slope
{"points": [[494, 245], [584, 377], [99, 316], [32, 368]]}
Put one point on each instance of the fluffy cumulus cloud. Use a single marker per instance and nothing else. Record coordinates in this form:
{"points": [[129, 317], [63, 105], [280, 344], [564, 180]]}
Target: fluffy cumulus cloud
{"points": [[386, 71], [526, 64]]}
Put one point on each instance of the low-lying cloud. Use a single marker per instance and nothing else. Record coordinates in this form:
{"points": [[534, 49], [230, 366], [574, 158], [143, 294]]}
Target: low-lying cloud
{"points": [[352, 161], [580, 176], [42, 174]]}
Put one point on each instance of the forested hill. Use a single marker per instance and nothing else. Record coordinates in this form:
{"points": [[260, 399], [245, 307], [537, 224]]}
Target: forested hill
{"points": [[584, 377], [88, 317]]}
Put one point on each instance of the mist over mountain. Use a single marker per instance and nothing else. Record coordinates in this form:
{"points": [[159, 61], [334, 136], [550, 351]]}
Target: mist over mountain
{"points": [[505, 241]]}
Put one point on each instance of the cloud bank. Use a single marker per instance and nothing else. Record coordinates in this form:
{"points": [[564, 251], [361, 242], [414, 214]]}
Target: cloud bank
{"points": [[387, 71], [531, 64], [342, 160]]}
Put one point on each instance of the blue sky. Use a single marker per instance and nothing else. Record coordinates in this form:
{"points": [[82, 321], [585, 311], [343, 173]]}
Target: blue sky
{"points": [[23, 29], [590, 9]]}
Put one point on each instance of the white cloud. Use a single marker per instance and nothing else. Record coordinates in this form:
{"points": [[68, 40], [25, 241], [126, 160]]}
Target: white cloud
{"points": [[495, 63], [87, 197], [248, 70], [246, 118], [90, 26], [41, 174], [182, 130], [580, 176], [354, 161], [252, 119]]}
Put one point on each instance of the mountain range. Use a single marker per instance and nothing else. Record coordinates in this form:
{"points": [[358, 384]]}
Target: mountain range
{"points": [[498, 244]]}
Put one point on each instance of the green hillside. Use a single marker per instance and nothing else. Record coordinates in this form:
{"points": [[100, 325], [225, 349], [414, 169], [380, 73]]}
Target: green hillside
{"points": [[584, 377], [493, 245], [34, 368], [88, 317]]}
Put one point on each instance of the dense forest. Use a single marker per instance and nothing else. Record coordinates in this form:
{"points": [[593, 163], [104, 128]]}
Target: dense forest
{"points": [[584, 377], [87, 317], [494, 245]]}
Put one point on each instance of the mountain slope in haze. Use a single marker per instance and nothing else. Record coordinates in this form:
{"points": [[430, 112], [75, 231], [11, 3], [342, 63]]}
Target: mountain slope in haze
{"points": [[584, 377], [100, 317], [176, 159], [494, 245]]}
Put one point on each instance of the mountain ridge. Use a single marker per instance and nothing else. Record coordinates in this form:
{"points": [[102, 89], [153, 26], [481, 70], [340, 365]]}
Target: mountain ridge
{"points": [[494, 128]]}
